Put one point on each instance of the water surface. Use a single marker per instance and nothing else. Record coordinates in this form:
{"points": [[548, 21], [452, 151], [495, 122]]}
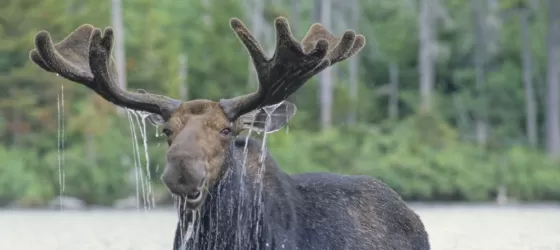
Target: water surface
{"points": [[457, 227]]}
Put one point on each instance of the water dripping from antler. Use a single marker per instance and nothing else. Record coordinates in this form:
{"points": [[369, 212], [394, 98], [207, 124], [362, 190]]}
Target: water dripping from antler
{"points": [[269, 110], [137, 119], [242, 183], [136, 159], [141, 122], [60, 141]]}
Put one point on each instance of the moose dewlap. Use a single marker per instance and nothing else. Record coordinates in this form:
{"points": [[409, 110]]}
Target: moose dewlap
{"points": [[231, 194]]}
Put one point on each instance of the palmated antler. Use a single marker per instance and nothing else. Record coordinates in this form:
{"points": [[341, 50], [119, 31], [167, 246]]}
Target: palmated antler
{"points": [[84, 57], [291, 66]]}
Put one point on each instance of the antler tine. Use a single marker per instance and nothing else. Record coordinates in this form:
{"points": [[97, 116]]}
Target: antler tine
{"points": [[292, 64], [251, 44], [84, 57], [346, 46]]}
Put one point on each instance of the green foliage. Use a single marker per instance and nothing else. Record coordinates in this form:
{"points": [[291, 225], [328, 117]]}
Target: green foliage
{"points": [[422, 159], [17, 179], [423, 156]]}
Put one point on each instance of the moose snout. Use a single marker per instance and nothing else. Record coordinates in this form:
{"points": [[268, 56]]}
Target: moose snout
{"points": [[184, 177]]}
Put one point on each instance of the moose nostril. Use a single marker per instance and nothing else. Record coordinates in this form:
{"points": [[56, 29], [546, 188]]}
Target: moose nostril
{"points": [[182, 179]]}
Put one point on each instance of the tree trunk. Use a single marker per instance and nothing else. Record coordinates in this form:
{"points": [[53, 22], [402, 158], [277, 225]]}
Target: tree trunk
{"points": [[183, 74], [553, 102], [394, 94], [256, 9], [425, 54], [295, 27], [479, 62], [317, 6], [325, 77], [119, 49], [463, 121], [353, 68], [530, 102], [296, 16]]}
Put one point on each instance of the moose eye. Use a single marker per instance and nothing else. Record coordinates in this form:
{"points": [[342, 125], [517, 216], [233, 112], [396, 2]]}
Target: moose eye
{"points": [[225, 131], [167, 132]]}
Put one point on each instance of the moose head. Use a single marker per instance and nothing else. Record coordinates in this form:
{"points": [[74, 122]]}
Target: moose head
{"points": [[199, 131]]}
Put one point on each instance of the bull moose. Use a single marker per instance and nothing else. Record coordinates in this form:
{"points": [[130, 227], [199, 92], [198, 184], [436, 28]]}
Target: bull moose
{"points": [[231, 193]]}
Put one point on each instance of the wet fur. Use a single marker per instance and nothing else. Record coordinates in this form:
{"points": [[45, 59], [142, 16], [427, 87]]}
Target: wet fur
{"points": [[306, 211]]}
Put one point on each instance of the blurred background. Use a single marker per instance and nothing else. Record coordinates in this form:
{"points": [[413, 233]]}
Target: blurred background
{"points": [[450, 101]]}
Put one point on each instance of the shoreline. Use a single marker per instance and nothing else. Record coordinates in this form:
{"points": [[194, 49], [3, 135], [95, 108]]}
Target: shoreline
{"points": [[414, 205]]}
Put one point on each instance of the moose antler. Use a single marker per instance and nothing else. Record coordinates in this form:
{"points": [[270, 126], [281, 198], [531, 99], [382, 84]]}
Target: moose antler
{"points": [[291, 66], [84, 57]]}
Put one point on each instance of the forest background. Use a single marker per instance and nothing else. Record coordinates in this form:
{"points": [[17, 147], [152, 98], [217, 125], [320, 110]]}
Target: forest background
{"points": [[454, 100]]}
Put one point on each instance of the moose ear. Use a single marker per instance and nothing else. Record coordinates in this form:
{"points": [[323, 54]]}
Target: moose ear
{"points": [[156, 119], [269, 119]]}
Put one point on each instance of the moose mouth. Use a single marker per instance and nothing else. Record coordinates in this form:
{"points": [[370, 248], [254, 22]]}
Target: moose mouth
{"points": [[194, 199], [194, 196]]}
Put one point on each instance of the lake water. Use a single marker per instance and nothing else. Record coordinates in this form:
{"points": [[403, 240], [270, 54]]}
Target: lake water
{"points": [[457, 227]]}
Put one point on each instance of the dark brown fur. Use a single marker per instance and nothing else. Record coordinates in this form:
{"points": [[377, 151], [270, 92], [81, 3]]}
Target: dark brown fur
{"points": [[306, 211]]}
